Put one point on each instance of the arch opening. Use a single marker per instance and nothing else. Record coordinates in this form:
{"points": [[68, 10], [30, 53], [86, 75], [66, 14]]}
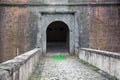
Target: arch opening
{"points": [[57, 35]]}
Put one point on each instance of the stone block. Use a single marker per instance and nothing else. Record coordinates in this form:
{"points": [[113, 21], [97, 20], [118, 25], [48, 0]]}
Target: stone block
{"points": [[4, 74]]}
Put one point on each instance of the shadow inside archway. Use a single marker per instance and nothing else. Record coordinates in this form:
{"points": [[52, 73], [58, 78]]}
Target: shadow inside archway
{"points": [[57, 37]]}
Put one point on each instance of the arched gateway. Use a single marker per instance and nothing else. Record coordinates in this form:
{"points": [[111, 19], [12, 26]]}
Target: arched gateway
{"points": [[57, 37], [59, 30]]}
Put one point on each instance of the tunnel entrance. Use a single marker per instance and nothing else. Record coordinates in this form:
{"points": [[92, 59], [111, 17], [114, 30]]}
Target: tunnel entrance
{"points": [[57, 37]]}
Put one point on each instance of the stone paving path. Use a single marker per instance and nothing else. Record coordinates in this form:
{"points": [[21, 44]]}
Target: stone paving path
{"points": [[69, 69]]}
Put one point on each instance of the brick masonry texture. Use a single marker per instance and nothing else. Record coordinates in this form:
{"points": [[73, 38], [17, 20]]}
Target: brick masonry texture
{"points": [[10, 26], [15, 32], [18, 28], [104, 28], [1, 47], [13, 1]]}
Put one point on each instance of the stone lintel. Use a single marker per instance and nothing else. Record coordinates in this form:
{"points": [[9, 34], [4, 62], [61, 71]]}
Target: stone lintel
{"points": [[57, 12]]}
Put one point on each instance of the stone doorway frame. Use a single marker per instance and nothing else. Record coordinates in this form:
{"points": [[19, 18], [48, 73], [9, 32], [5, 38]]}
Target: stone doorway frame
{"points": [[69, 18]]}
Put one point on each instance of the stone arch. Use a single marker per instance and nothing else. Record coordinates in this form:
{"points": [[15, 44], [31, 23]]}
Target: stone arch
{"points": [[57, 37], [64, 21], [46, 19]]}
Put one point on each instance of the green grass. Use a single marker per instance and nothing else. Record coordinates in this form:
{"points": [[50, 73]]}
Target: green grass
{"points": [[59, 57]]}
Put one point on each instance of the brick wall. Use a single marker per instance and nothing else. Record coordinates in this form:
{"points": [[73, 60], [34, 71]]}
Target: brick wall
{"points": [[16, 25], [18, 29], [24, 1], [1, 30], [104, 28]]}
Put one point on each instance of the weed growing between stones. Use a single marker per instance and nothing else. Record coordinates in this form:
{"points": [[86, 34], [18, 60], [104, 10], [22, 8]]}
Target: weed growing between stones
{"points": [[59, 57]]}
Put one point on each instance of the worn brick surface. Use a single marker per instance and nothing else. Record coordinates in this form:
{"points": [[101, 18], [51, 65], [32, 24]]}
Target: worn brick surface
{"points": [[18, 28], [9, 32], [104, 28], [15, 32], [1, 47], [13, 1]]}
